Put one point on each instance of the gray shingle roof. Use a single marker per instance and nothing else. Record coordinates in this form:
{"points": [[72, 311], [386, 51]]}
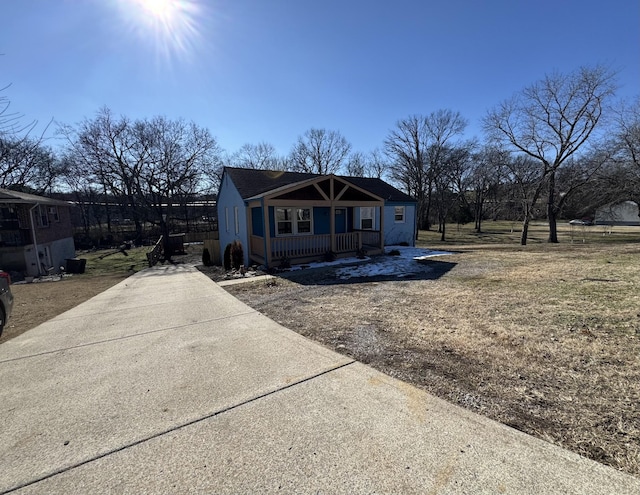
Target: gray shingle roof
{"points": [[8, 196], [250, 183]]}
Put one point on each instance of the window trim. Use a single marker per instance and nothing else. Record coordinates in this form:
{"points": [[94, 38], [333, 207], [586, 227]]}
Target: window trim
{"points": [[395, 214], [226, 218], [237, 220]]}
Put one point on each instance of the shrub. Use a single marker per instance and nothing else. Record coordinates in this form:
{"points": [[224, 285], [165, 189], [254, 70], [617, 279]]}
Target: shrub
{"points": [[206, 257], [285, 263], [227, 257], [329, 256], [394, 252], [237, 254]]}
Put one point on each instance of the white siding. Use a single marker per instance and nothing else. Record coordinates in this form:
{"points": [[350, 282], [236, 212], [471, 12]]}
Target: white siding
{"points": [[395, 233]]}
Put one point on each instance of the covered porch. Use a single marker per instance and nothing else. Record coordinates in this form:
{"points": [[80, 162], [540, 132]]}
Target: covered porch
{"points": [[312, 220]]}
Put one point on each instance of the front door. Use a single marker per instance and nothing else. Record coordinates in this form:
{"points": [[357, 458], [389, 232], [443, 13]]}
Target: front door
{"points": [[341, 220]]}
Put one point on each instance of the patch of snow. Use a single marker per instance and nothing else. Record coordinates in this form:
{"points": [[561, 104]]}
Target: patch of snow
{"points": [[401, 265], [322, 264]]}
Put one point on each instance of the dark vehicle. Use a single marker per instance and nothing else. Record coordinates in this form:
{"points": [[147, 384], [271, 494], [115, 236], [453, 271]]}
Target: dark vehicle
{"points": [[6, 299]]}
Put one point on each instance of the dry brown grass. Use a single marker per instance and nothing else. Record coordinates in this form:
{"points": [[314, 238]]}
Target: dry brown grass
{"points": [[544, 338]]}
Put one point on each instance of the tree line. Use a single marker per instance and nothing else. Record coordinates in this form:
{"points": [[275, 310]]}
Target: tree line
{"points": [[560, 147]]}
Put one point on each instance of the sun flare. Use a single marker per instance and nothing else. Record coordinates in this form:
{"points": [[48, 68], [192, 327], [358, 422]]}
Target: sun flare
{"points": [[160, 9], [170, 26]]}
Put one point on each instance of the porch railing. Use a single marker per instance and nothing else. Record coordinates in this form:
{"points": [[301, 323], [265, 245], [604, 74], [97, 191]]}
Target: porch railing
{"points": [[370, 237], [300, 246], [313, 245]]}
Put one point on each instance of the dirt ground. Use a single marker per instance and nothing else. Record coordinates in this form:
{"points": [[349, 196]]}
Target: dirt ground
{"points": [[551, 349]]}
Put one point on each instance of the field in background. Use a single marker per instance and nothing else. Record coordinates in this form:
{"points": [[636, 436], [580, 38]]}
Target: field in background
{"points": [[503, 232]]}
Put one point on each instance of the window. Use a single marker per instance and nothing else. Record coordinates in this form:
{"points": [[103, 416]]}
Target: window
{"points": [[303, 221], [284, 221], [292, 221], [399, 214], [226, 219], [366, 218], [53, 212], [43, 219], [235, 216]]}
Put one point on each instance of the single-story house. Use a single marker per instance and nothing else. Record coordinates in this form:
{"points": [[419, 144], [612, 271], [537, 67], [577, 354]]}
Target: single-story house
{"points": [[623, 213], [36, 234], [300, 217]]}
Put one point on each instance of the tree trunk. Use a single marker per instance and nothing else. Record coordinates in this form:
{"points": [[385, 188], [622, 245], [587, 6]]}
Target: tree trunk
{"points": [[443, 232], [525, 230], [479, 212], [551, 209]]}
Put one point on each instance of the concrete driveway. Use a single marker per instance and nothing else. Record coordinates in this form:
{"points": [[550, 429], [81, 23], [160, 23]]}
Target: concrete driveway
{"points": [[167, 384]]}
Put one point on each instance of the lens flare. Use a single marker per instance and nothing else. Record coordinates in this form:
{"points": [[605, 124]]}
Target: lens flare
{"points": [[170, 26]]}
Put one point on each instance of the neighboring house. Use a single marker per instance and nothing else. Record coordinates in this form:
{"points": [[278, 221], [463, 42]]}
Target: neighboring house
{"points": [[624, 213], [36, 234], [300, 217]]}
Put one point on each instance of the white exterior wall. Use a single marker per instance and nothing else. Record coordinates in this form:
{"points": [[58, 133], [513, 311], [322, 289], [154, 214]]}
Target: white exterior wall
{"points": [[230, 201], [625, 213], [61, 251], [50, 255], [396, 233]]}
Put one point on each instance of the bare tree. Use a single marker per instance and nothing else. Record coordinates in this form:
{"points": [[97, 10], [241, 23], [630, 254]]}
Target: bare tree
{"points": [[11, 123], [627, 125], [148, 166], [550, 121], [25, 162], [452, 181], [527, 177], [378, 164], [356, 164], [406, 146], [416, 148], [487, 170], [261, 156], [176, 156], [106, 148], [372, 164], [319, 151]]}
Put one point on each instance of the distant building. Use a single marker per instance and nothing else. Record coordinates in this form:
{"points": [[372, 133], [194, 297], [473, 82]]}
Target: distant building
{"points": [[624, 213], [36, 235]]}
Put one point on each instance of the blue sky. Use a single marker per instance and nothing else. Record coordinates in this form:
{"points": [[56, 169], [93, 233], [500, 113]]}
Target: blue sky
{"points": [[267, 70]]}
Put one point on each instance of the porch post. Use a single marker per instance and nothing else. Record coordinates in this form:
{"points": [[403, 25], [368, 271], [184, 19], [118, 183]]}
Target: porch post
{"points": [[267, 233], [332, 219], [381, 210], [249, 231], [332, 228]]}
